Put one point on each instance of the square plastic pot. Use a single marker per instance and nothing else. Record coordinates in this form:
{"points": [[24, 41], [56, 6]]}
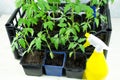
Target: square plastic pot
{"points": [[32, 69], [76, 71], [52, 70]]}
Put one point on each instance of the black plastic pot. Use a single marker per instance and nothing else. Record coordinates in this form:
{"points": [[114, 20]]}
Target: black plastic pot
{"points": [[32, 69], [75, 71]]}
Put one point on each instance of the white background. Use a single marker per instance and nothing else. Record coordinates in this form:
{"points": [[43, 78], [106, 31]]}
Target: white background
{"points": [[10, 69]]}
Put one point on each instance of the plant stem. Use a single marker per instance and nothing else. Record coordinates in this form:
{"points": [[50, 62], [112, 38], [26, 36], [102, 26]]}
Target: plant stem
{"points": [[72, 17], [28, 45], [74, 54]]}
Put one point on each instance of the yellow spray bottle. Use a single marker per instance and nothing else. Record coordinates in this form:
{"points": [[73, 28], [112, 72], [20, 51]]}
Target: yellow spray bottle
{"points": [[96, 66]]}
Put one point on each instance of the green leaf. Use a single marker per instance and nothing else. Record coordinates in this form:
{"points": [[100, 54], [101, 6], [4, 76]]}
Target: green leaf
{"points": [[89, 11], [31, 44], [75, 44], [78, 9], [77, 28], [97, 22], [70, 54], [81, 40], [49, 25], [75, 38], [62, 24], [39, 34], [41, 5], [26, 30], [62, 31], [67, 7], [103, 18], [22, 42], [84, 25], [82, 48], [63, 19], [43, 37], [53, 1], [22, 21], [38, 43], [71, 45], [47, 5], [73, 31], [40, 14], [105, 1], [56, 43], [93, 2], [62, 40], [19, 3], [14, 44], [33, 21]]}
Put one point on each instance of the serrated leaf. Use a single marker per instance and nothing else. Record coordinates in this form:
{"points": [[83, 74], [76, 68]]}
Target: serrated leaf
{"points": [[31, 44], [39, 34], [82, 48], [67, 7], [70, 54], [77, 28], [22, 21], [75, 38], [22, 42], [38, 43], [43, 37], [78, 9], [33, 20], [71, 45], [49, 25], [62, 31], [56, 43], [97, 22], [81, 40], [85, 27], [41, 5], [62, 24], [19, 3], [62, 40], [73, 31], [30, 30], [75, 44], [103, 18], [47, 5]]}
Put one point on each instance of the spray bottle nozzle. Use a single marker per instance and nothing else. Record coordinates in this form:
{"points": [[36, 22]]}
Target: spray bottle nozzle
{"points": [[96, 42]]}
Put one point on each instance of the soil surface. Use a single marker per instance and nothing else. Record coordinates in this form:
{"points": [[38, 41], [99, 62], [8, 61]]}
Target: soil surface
{"points": [[56, 61], [37, 58], [79, 62]]}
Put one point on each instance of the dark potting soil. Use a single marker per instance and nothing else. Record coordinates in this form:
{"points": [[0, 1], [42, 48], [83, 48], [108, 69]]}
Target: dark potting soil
{"points": [[79, 62], [38, 27], [37, 58], [56, 61]]}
